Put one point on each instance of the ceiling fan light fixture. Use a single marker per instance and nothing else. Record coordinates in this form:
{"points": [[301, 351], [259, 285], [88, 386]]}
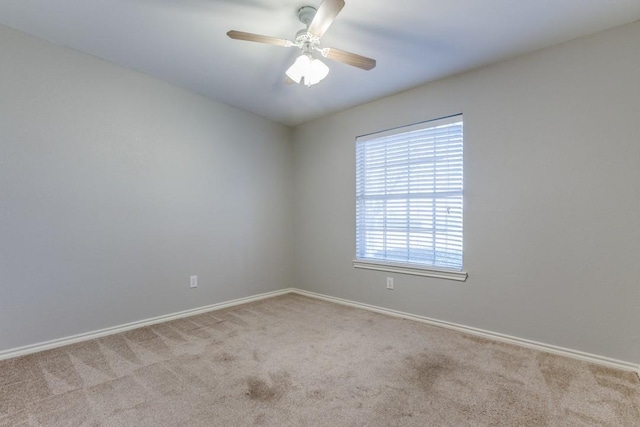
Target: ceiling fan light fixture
{"points": [[308, 70]]}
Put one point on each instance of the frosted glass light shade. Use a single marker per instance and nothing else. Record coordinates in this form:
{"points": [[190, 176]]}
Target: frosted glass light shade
{"points": [[307, 69]]}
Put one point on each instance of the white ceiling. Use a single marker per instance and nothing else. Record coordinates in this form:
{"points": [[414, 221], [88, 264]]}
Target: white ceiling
{"points": [[184, 42]]}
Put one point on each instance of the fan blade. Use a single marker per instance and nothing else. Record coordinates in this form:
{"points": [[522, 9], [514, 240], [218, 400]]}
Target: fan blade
{"points": [[325, 15], [250, 37], [350, 58]]}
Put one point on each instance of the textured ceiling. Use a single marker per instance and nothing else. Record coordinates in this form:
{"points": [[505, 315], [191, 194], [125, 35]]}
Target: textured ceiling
{"points": [[414, 41]]}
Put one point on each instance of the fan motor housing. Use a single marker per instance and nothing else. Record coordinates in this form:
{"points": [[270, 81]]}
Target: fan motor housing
{"points": [[306, 14]]}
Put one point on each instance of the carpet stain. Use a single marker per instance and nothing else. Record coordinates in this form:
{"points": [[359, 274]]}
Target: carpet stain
{"points": [[260, 390], [425, 369]]}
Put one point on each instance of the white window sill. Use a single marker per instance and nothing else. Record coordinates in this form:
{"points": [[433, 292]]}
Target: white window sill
{"points": [[413, 269]]}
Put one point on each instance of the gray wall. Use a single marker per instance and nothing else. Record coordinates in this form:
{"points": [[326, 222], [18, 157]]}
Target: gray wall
{"points": [[115, 187], [552, 198]]}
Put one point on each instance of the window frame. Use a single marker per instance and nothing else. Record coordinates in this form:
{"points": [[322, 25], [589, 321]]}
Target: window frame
{"points": [[392, 266]]}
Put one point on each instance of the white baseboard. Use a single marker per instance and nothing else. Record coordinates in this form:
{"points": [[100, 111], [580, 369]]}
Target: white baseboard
{"points": [[34, 348], [575, 354], [548, 348]]}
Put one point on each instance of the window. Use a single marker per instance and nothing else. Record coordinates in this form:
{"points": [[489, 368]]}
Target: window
{"points": [[409, 199]]}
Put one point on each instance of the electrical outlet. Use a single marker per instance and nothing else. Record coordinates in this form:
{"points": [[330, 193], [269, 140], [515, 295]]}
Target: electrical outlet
{"points": [[390, 283], [193, 281]]}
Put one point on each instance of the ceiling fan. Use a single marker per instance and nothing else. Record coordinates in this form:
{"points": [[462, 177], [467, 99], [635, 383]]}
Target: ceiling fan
{"points": [[306, 68]]}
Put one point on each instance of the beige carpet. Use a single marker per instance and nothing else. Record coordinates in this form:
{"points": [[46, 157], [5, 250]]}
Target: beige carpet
{"points": [[296, 361]]}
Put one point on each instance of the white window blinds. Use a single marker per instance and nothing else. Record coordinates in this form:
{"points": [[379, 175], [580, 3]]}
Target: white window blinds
{"points": [[409, 195]]}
